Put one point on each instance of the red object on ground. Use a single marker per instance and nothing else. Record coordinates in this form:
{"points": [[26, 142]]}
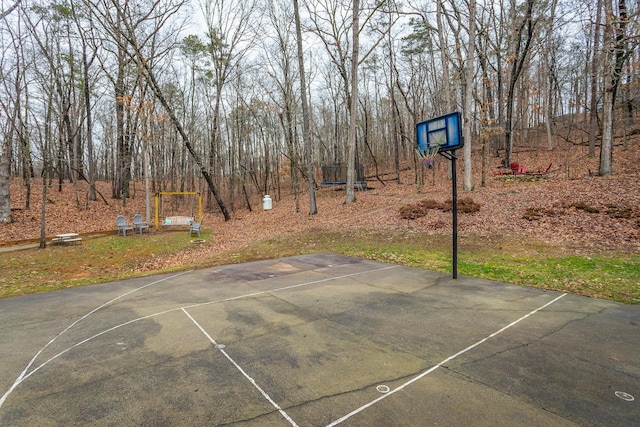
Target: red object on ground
{"points": [[517, 169]]}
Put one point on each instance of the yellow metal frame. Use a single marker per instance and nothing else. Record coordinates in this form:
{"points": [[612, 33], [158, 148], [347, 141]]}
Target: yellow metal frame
{"points": [[173, 193]]}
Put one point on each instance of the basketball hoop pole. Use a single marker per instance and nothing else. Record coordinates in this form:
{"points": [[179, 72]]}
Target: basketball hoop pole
{"points": [[444, 135], [451, 155]]}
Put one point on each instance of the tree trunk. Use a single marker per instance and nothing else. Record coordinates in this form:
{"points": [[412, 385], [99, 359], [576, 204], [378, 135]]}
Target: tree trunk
{"points": [[306, 136], [43, 208], [20, 127], [549, 79], [615, 55], [148, 74], [595, 64], [395, 112], [91, 174], [286, 121], [5, 199], [215, 146], [524, 37], [606, 147], [444, 59], [353, 116], [449, 102], [119, 106], [468, 96]]}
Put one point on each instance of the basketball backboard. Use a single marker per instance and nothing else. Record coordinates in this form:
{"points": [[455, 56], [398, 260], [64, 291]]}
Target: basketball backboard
{"points": [[444, 132]]}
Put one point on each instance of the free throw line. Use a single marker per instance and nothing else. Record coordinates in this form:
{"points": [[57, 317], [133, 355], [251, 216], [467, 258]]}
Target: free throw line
{"points": [[242, 371]]}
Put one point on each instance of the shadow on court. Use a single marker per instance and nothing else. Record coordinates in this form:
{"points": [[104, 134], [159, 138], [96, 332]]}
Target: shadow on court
{"points": [[316, 340]]}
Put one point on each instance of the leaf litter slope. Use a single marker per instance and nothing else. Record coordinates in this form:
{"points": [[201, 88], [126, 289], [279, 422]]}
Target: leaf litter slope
{"points": [[567, 208]]}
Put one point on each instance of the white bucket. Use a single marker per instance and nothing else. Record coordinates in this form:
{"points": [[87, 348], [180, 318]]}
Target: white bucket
{"points": [[266, 203]]}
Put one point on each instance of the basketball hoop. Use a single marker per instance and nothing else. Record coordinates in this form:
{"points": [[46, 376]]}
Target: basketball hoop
{"points": [[428, 157], [443, 135]]}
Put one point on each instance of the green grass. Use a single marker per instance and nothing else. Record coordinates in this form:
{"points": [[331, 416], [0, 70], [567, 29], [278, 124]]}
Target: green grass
{"points": [[519, 261], [95, 260], [610, 277], [529, 263]]}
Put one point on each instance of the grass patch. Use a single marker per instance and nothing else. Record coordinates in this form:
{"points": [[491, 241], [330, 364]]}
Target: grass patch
{"points": [[97, 259], [513, 260], [608, 277]]}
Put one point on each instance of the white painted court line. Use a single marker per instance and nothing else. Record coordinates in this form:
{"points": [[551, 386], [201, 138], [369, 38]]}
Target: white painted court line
{"points": [[26, 373], [242, 371], [286, 288], [433, 368], [23, 375]]}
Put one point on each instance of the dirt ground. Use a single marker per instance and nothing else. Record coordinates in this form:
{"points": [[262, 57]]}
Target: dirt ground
{"points": [[568, 207]]}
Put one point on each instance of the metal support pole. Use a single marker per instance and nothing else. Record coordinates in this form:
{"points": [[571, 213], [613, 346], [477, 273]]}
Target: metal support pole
{"points": [[454, 208], [454, 202]]}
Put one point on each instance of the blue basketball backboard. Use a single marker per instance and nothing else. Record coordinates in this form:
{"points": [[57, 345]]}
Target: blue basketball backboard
{"points": [[444, 131]]}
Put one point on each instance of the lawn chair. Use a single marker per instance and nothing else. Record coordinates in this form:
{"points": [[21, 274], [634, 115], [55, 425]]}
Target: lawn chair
{"points": [[138, 223], [123, 226], [195, 228], [517, 169]]}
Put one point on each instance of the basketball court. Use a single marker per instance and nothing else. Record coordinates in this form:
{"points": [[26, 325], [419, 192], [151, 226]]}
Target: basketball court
{"points": [[316, 340]]}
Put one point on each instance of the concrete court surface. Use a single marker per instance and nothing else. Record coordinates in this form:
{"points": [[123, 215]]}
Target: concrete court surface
{"points": [[317, 340]]}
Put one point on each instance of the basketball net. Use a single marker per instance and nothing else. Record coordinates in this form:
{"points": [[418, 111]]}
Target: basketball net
{"points": [[428, 157]]}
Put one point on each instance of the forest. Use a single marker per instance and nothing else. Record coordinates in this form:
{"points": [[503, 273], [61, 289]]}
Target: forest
{"points": [[240, 98]]}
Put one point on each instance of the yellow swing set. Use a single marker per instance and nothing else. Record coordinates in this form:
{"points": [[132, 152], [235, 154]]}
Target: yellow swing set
{"points": [[178, 219]]}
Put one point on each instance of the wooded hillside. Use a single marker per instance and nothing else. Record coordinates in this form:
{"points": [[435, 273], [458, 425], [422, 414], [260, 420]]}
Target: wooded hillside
{"points": [[566, 207], [108, 102]]}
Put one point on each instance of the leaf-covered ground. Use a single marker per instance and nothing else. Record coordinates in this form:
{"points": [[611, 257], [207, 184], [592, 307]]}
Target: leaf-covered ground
{"points": [[568, 207]]}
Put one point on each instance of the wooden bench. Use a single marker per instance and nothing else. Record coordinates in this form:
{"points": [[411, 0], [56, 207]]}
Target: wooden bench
{"points": [[76, 239], [178, 220]]}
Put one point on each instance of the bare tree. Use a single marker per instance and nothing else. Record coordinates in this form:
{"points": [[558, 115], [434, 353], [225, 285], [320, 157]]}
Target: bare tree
{"points": [[353, 110], [280, 62], [6, 12], [468, 95], [230, 37], [522, 40], [616, 52], [331, 23], [595, 65], [5, 197], [547, 76], [86, 39], [130, 37], [10, 109], [449, 101], [306, 129]]}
